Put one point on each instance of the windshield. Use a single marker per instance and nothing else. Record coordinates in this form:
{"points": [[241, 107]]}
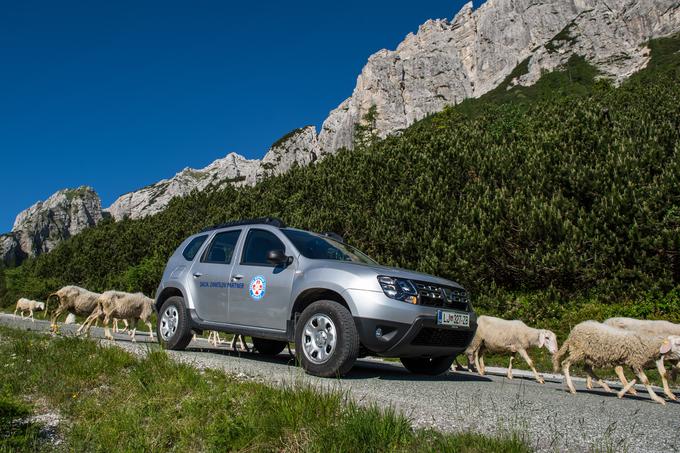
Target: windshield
{"points": [[319, 247]]}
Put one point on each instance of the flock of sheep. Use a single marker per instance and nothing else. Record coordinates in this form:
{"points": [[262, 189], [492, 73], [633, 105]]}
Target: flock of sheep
{"points": [[107, 306], [618, 342]]}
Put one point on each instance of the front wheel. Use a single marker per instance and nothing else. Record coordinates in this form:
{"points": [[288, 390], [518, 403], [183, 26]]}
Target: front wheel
{"points": [[429, 366], [173, 326], [326, 339]]}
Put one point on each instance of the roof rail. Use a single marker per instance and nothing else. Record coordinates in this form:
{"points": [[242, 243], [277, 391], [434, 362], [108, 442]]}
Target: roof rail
{"points": [[262, 220], [334, 236]]}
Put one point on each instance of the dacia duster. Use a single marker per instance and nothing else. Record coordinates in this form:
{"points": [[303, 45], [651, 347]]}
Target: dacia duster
{"points": [[279, 285]]}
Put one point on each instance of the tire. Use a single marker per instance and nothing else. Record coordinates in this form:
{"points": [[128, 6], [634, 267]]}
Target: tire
{"points": [[334, 357], [269, 347], [175, 335], [429, 366]]}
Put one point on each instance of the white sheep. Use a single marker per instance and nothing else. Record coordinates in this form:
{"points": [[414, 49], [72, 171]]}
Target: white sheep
{"points": [[653, 328], [502, 336], [121, 305], [72, 299], [598, 345], [27, 305]]}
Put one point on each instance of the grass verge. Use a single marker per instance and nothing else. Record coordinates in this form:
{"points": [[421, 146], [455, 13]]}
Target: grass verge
{"points": [[111, 400]]}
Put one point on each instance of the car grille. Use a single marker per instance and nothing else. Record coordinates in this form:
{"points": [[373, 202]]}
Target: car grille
{"points": [[430, 336], [433, 295]]}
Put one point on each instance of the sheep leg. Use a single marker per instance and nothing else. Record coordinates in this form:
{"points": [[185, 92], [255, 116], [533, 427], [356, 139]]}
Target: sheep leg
{"points": [[133, 329], [624, 382], [592, 375], [565, 370], [643, 379], [115, 325], [512, 357], [148, 323], [476, 357], [30, 314], [16, 310], [662, 372], [530, 362], [86, 324], [55, 317], [589, 382], [482, 368], [107, 332], [626, 388]]}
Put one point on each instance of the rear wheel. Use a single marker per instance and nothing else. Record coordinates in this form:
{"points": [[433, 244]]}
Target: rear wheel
{"points": [[269, 347], [429, 366], [173, 326], [326, 339]]}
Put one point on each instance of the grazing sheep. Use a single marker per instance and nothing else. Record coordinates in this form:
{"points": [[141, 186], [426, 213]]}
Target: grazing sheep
{"points": [[599, 346], [75, 300], [502, 336], [30, 306], [121, 305], [652, 328], [214, 338]]}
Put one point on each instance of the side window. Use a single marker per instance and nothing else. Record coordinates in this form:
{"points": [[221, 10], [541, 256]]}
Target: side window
{"points": [[258, 244], [222, 247], [192, 247]]}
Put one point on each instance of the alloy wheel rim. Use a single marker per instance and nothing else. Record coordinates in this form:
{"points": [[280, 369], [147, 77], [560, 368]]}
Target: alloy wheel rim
{"points": [[169, 322], [319, 338]]}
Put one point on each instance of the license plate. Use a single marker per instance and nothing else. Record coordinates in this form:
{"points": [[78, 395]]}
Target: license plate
{"points": [[452, 318]]}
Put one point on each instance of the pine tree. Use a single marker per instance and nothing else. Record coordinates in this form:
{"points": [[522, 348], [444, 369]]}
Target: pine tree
{"points": [[366, 131]]}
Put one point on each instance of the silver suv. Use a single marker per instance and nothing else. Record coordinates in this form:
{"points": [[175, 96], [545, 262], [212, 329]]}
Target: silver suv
{"points": [[280, 285]]}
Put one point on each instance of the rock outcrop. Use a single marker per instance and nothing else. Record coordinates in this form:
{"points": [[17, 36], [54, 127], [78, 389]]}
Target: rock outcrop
{"points": [[448, 61], [41, 227], [297, 148], [232, 169]]}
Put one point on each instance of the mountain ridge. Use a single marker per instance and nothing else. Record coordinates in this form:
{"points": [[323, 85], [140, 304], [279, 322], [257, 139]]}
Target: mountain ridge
{"points": [[443, 63]]}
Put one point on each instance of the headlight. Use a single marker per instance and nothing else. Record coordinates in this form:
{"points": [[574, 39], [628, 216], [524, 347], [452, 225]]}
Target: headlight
{"points": [[399, 289]]}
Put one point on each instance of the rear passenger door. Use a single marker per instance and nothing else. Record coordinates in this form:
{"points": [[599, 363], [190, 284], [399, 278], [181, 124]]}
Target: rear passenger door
{"points": [[210, 276], [264, 296]]}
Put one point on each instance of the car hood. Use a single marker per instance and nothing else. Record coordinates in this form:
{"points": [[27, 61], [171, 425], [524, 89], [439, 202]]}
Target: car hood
{"points": [[396, 272]]}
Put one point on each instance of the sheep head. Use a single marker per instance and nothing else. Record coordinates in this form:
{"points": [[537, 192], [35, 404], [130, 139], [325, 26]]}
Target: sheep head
{"points": [[671, 347], [547, 339]]}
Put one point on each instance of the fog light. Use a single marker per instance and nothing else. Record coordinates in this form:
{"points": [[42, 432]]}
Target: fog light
{"points": [[412, 300], [378, 332]]}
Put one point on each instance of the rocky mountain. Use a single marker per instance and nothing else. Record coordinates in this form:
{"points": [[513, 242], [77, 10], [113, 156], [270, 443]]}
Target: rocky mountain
{"points": [[41, 227], [298, 147], [448, 61], [232, 169], [442, 64]]}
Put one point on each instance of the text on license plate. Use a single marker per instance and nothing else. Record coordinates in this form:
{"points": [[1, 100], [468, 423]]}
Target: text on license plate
{"points": [[452, 318]]}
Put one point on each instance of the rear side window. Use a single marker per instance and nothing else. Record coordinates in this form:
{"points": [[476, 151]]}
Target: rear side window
{"points": [[258, 244], [192, 248], [222, 247]]}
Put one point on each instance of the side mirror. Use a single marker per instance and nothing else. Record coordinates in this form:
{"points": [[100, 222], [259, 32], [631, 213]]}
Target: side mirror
{"points": [[277, 257]]}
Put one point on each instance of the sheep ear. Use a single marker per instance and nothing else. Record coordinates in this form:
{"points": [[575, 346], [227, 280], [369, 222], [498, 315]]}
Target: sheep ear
{"points": [[665, 347]]}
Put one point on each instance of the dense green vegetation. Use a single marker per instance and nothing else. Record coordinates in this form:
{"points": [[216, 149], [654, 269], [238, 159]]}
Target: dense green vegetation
{"points": [[550, 203], [110, 400]]}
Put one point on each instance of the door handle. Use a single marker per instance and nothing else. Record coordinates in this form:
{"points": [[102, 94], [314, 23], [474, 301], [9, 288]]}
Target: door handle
{"points": [[197, 275], [236, 278]]}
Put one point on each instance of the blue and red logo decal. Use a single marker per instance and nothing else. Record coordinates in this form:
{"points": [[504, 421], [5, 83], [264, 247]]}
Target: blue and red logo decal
{"points": [[257, 288]]}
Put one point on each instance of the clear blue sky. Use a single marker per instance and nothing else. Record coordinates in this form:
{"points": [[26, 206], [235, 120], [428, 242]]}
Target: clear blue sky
{"points": [[120, 94]]}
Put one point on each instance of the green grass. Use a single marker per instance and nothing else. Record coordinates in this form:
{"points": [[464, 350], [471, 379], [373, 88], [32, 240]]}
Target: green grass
{"points": [[16, 434], [114, 401]]}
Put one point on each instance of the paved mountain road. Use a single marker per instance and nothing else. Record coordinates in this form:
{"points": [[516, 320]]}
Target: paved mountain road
{"points": [[552, 419]]}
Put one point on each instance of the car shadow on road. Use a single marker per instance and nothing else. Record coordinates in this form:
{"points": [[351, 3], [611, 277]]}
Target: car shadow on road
{"points": [[363, 369]]}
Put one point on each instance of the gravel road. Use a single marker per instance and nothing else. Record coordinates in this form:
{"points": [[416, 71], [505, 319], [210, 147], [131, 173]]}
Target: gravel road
{"points": [[552, 419]]}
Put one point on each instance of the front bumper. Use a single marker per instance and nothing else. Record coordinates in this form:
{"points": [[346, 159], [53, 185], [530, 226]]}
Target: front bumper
{"points": [[422, 338]]}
